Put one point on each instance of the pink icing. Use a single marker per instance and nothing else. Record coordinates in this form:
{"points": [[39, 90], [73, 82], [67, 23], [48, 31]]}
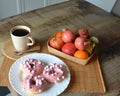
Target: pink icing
{"points": [[32, 66], [54, 73], [34, 83]]}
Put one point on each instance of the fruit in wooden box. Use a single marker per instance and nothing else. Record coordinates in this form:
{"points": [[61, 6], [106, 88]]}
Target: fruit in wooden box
{"points": [[83, 33], [69, 48], [56, 42], [67, 35], [78, 48]]}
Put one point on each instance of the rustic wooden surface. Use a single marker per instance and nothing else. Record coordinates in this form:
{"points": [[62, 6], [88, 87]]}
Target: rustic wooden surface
{"points": [[73, 15]]}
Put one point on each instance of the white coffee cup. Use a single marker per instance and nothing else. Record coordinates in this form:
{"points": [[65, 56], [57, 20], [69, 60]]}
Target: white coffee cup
{"points": [[21, 37]]}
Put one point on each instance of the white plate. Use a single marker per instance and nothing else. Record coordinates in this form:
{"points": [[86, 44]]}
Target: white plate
{"points": [[16, 76]]}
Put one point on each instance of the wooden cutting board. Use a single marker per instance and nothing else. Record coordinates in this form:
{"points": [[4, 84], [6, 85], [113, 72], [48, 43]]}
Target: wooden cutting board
{"points": [[86, 78]]}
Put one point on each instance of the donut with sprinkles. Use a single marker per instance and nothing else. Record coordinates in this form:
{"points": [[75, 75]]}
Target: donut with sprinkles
{"points": [[54, 73]]}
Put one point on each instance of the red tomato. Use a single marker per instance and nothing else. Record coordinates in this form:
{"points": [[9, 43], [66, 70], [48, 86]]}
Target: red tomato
{"points": [[79, 43], [69, 48], [67, 36], [56, 43]]}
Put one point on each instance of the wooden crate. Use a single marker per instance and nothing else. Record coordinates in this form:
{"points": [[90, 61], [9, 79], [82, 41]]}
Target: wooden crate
{"points": [[69, 57]]}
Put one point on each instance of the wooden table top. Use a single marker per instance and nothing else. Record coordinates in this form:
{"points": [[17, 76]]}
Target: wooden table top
{"points": [[74, 14]]}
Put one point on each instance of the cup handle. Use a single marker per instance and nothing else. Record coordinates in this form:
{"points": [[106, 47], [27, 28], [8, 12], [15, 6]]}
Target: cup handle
{"points": [[32, 41]]}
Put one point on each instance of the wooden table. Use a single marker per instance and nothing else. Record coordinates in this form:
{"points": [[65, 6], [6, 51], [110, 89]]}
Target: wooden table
{"points": [[73, 15]]}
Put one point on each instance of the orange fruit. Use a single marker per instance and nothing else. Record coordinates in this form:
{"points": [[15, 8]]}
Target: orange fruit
{"points": [[58, 34], [81, 54]]}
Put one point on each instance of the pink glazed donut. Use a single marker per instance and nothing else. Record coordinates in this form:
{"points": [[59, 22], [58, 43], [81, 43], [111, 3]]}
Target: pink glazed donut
{"points": [[32, 66], [34, 84], [54, 73]]}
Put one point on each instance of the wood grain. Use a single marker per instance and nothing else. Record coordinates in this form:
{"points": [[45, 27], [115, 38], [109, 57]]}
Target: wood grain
{"points": [[86, 78]]}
